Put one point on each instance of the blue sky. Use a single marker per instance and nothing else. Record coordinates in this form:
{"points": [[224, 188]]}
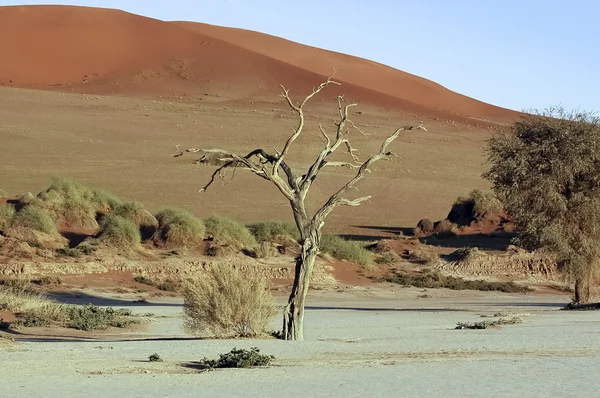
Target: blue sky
{"points": [[513, 53]]}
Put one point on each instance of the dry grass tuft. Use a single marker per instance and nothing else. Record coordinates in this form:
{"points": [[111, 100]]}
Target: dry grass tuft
{"points": [[35, 218], [178, 228], [30, 304], [229, 232], [141, 217], [274, 231], [119, 232], [225, 302]]}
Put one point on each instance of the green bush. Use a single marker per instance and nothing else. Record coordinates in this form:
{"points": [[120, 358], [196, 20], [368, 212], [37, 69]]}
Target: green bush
{"points": [[237, 359], [7, 213], [91, 317], [343, 249], [35, 218], [119, 232], [179, 228], [155, 358], [269, 231], [229, 232]]}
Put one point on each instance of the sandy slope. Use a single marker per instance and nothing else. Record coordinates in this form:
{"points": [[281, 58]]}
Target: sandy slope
{"points": [[96, 50]]}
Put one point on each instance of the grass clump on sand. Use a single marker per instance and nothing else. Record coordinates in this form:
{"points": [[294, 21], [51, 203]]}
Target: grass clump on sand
{"points": [[30, 305], [91, 317], [119, 232], [237, 358], [7, 213], [272, 231], [179, 228], [229, 232], [436, 280], [155, 358], [224, 302], [141, 217], [74, 204], [343, 249], [36, 218]]}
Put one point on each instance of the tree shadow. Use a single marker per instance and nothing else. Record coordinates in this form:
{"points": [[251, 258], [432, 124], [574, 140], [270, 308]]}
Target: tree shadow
{"points": [[78, 298], [498, 241], [338, 308]]}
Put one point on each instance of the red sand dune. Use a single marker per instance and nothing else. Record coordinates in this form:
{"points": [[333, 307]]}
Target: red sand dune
{"points": [[96, 50]]}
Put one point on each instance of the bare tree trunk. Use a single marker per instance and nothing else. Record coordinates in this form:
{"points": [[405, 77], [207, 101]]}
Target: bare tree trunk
{"points": [[582, 290], [293, 315]]}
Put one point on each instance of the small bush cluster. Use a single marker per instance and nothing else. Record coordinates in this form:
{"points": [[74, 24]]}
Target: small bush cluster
{"points": [[178, 228], [422, 254], [237, 358], [229, 232], [343, 249], [444, 229], [74, 204], [225, 302], [436, 280], [503, 319], [155, 358], [91, 317], [425, 226]]}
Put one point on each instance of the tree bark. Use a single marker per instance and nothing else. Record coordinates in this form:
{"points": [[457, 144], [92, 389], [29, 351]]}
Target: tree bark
{"points": [[293, 315], [582, 290]]}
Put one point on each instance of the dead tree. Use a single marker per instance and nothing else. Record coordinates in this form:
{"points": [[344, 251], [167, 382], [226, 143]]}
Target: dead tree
{"points": [[295, 188]]}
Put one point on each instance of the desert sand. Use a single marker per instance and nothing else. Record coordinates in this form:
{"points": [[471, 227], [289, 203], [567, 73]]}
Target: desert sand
{"points": [[356, 346]]}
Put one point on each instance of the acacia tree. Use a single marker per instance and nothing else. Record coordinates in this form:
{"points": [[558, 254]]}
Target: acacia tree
{"points": [[295, 188], [546, 171]]}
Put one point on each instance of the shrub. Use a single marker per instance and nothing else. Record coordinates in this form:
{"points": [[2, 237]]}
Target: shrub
{"points": [[91, 317], [48, 280], [228, 303], [179, 228], [7, 213], [425, 225], [3, 194], [36, 218], [343, 249], [141, 217], [75, 251], [155, 358], [271, 231], [119, 232], [229, 232], [237, 359], [436, 280]]}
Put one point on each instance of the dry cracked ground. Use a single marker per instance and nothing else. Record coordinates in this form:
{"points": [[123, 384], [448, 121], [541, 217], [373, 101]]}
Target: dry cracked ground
{"points": [[367, 344]]}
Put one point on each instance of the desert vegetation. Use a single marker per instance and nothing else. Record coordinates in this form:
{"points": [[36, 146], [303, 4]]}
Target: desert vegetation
{"points": [[545, 172], [229, 232], [236, 358], [179, 228], [228, 303], [295, 189], [343, 249]]}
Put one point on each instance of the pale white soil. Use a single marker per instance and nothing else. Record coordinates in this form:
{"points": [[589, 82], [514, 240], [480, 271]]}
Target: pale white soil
{"points": [[355, 347]]}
